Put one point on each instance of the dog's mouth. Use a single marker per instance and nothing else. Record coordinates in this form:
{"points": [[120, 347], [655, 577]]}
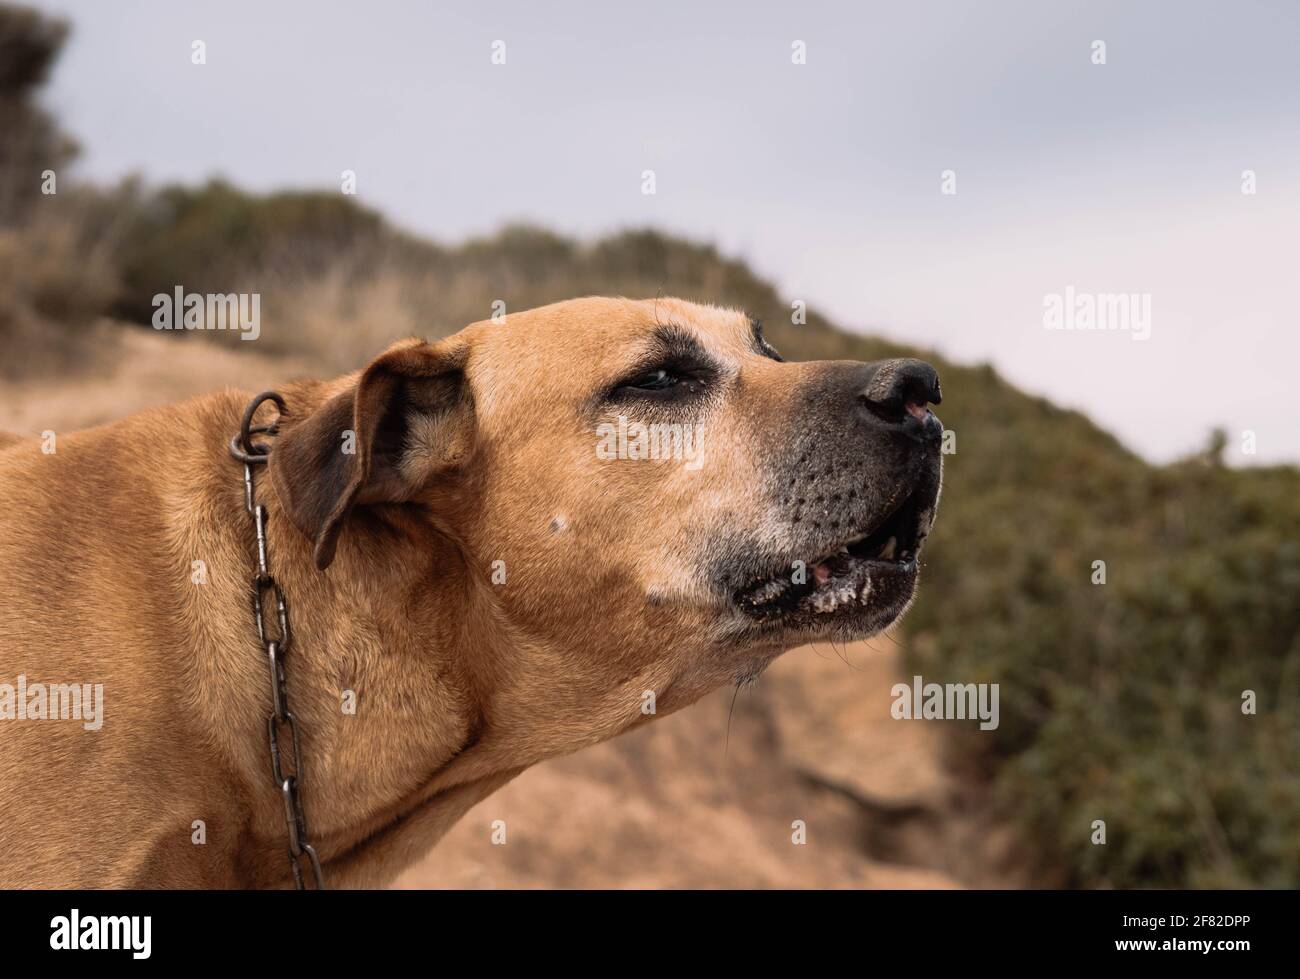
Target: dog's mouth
{"points": [[876, 569]]}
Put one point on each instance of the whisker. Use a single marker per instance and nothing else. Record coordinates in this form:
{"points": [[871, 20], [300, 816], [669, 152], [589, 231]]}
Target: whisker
{"points": [[726, 738], [844, 655]]}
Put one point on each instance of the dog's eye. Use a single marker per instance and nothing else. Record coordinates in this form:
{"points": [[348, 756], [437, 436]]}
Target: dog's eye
{"points": [[656, 380], [668, 381]]}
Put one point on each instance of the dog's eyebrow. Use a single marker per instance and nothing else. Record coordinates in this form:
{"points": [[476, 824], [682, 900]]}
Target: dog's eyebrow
{"points": [[759, 342], [676, 342], [670, 345]]}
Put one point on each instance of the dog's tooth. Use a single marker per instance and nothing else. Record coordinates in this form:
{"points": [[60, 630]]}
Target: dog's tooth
{"points": [[887, 552]]}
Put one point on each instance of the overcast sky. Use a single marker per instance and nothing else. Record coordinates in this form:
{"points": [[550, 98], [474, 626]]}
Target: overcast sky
{"points": [[1123, 177]]}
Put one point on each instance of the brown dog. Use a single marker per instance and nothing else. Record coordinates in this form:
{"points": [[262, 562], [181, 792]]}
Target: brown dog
{"points": [[526, 538]]}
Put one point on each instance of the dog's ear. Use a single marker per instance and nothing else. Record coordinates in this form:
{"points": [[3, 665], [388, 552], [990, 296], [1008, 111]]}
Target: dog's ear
{"points": [[409, 417]]}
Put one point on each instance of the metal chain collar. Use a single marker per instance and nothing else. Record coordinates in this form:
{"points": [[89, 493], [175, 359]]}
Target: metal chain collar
{"points": [[276, 645]]}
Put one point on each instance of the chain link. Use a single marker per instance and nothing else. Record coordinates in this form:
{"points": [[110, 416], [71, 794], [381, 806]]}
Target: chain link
{"points": [[266, 592]]}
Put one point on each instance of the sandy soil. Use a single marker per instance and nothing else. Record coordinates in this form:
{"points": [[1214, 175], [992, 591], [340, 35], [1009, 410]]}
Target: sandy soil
{"points": [[137, 369], [685, 802]]}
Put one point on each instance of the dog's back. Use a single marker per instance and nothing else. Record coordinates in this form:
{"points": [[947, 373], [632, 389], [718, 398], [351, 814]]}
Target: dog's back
{"points": [[95, 653]]}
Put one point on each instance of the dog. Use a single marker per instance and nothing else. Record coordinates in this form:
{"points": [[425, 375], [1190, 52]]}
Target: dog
{"points": [[494, 549]]}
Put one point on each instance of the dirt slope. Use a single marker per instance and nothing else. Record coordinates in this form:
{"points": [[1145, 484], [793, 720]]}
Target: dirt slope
{"points": [[682, 803]]}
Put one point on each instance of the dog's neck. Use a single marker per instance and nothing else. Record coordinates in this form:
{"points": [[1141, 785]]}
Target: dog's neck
{"points": [[390, 678]]}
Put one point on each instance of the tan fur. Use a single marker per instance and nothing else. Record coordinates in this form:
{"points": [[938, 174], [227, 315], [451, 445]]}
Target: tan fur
{"points": [[460, 683]]}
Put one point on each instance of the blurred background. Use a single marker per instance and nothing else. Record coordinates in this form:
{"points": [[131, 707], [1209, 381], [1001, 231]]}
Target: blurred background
{"points": [[798, 155]]}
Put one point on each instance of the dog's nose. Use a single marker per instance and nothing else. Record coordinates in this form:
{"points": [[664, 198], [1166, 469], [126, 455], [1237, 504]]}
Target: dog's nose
{"points": [[898, 392], [902, 382]]}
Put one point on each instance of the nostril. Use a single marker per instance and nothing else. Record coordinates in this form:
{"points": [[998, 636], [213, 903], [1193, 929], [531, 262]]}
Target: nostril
{"points": [[892, 411], [898, 388], [916, 382]]}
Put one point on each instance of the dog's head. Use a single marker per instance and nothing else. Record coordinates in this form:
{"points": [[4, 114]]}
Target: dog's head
{"points": [[646, 497]]}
